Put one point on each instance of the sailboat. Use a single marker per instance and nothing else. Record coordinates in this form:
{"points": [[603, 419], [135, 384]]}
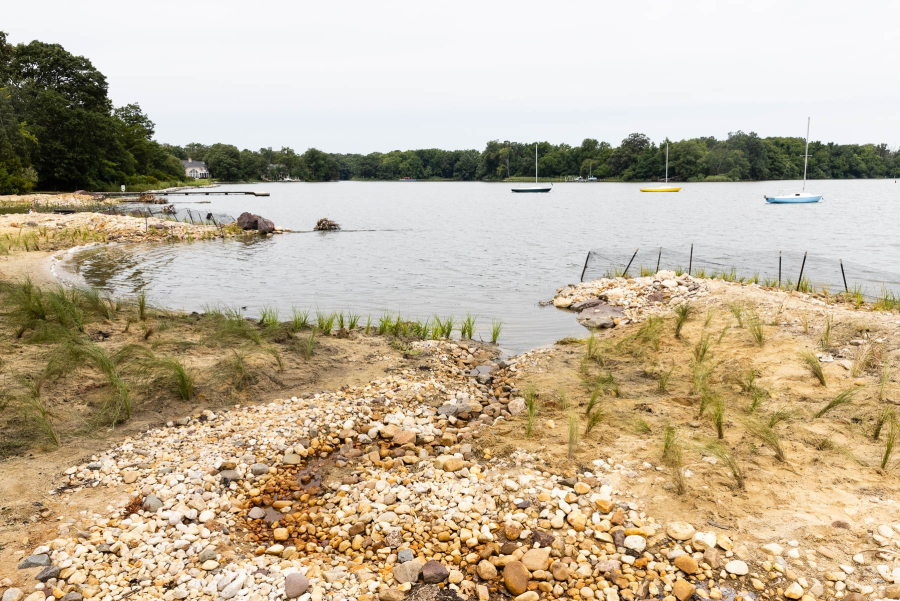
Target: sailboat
{"points": [[666, 188], [786, 197], [536, 187]]}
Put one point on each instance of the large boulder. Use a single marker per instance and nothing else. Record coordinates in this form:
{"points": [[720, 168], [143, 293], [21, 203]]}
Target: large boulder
{"points": [[249, 221]]}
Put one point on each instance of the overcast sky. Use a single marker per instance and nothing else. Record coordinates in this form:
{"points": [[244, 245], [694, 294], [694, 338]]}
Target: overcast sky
{"points": [[360, 76]]}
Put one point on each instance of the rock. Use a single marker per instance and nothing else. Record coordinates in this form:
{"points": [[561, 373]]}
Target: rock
{"points": [[258, 469], [453, 464], [229, 476], [233, 587], [404, 555], [600, 316], [280, 534], [47, 573], [536, 559], [773, 549], [206, 554], [683, 590], [635, 542], [794, 591], [408, 571], [703, 540], [562, 302], [486, 570], [854, 597], [542, 539], [404, 437], [249, 221], [680, 530], [578, 520], [35, 561], [892, 591], [326, 225], [12, 594], [528, 596], [295, 585], [151, 504], [390, 594], [512, 530], [209, 565], [257, 513], [72, 596], [560, 571], [291, 459], [433, 572], [737, 567], [686, 564], [516, 406], [516, 577], [206, 515], [129, 476]]}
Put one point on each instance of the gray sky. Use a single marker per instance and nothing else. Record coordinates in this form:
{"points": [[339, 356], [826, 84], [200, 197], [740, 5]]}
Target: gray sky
{"points": [[355, 76]]}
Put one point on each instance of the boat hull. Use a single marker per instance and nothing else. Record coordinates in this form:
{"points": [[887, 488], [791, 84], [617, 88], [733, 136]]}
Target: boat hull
{"points": [[531, 190], [660, 189], [794, 199]]}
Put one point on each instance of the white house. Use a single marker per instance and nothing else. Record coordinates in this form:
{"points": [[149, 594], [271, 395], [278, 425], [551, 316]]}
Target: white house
{"points": [[195, 169]]}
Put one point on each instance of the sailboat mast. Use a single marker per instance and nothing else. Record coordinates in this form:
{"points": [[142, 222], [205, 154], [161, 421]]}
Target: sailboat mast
{"points": [[535, 162], [667, 162], [806, 154]]}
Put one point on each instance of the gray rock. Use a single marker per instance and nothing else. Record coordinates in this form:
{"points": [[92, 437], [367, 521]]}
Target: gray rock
{"points": [[12, 594], [103, 548], [152, 504], [206, 554], [257, 513], [448, 410], [408, 571], [295, 585], [258, 469], [433, 572], [608, 565], [48, 573], [229, 476], [73, 596], [35, 561], [404, 555], [600, 316], [94, 466]]}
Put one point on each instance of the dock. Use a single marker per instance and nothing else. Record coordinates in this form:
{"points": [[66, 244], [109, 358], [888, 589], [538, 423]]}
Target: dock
{"points": [[190, 193]]}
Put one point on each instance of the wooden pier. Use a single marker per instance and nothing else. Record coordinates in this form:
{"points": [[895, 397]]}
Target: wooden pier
{"points": [[190, 193]]}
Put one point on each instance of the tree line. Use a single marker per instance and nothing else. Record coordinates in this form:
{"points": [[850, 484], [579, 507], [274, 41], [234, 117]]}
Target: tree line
{"points": [[60, 131]]}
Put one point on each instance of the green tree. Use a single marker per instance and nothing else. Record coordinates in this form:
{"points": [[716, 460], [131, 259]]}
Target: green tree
{"points": [[224, 162]]}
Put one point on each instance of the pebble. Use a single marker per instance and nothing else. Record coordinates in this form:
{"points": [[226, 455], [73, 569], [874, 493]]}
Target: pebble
{"points": [[737, 567], [408, 571], [680, 530], [295, 585]]}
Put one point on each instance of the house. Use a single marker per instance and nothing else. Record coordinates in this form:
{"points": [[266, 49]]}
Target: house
{"points": [[195, 169]]}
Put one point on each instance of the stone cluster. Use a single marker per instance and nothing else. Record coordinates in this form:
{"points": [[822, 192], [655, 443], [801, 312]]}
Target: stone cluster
{"points": [[612, 301]]}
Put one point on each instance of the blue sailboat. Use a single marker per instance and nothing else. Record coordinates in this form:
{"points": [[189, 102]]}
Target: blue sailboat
{"points": [[787, 197]]}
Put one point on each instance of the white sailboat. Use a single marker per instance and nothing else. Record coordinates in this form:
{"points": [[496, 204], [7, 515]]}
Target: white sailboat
{"points": [[536, 187], [665, 188], [801, 197]]}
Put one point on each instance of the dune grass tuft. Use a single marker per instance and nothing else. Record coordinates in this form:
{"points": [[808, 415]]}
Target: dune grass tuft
{"points": [[814, 365], [683, 312], [843, 398]]}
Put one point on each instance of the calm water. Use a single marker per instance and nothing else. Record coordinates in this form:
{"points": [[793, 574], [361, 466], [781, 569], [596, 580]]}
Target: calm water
{"points": [[452, 248]]}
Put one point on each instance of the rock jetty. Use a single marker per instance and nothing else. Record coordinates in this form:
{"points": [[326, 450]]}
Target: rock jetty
{"points": [[608, 302]]}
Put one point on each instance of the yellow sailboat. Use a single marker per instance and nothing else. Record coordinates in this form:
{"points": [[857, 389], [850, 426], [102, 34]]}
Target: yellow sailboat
{"points": [[663, 188]]}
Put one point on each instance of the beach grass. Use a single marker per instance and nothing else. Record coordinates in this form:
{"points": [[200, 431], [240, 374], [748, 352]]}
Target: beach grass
{"points": [[812, 363], [844, 398]]}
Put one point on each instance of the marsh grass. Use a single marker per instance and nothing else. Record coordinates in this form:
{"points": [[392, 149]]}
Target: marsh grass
{"points": [[341, 322], [606, 382], [37, 408], [299, 319], [353, 321], [325, 322], [812, 363], [804, 321], [182, 376], [683, 312], [867, 357], [701, 349], [718, 450], [718, 416], [384, 323], [884, 377], [573, 437], [368, 324], [650, 331], [767, 435], [700, 376], [268, 317], [241, 377], [467, 330], [142, 305], [531, 410], [673, 457], [889, 442], [781, 415], [593, 351], [755, 326], [887, 415], [662, 383], [843, 398], [307, 345], [826, 334], [496, 328]]}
